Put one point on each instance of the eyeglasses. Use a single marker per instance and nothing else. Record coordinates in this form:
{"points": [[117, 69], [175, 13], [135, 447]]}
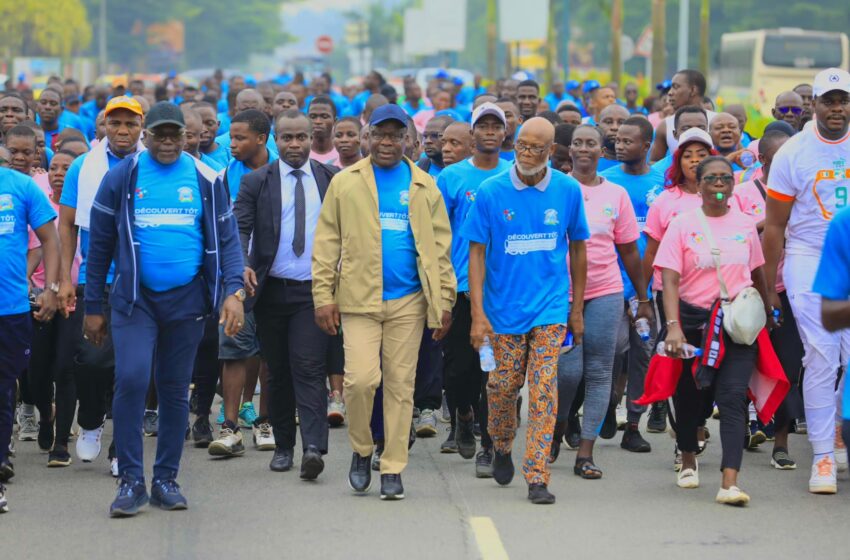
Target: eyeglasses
{"points": [[793, 110], [379, 136], [725, 179], [534, 150], [162, 137]]}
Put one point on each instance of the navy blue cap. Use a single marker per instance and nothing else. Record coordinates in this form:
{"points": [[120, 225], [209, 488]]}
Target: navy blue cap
{"points": [[572, 84], [591, 85], [389, 112], [664, 86]]}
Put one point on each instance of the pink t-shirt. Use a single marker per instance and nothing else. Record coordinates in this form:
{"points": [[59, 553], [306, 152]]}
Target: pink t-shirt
{"points": [[752, 204], [685, 249], [668, 205], [329, 157], [611, 219], [38, 276], [420, 119]]}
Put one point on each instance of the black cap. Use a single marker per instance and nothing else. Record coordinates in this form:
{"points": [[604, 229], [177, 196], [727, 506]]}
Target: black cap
{"points": [[164, 113]]}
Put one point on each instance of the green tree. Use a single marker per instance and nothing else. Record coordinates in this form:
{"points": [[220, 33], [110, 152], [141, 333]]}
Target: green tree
{"points": [[55, 29]]}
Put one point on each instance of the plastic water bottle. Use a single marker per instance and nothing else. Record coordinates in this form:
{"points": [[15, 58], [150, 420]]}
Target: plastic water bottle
{"points": [[687, 352], [567, 345], [485, 354], [642, 329], [748, 159]]}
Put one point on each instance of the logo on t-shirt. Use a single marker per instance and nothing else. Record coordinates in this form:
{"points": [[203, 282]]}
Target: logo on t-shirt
{"points": [[653, 193], [141, 193], [7, 221], [550, 217], [609, 212], [470, 196], [696, 237], [508, 214], [404, 198], [737, 238], [184, 194], [839, 166], [6, 203]]}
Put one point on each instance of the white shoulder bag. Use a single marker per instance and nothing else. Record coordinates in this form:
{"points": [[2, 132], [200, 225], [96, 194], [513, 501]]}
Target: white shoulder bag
{"points": [[743, 317]]}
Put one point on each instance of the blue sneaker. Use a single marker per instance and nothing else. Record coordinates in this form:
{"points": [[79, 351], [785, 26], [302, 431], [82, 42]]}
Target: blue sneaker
{"points": [[132, 495], [220, 419], [247, 415], [165, 494]]}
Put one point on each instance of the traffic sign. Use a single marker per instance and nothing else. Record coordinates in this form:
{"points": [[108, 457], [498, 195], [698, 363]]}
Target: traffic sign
{"points": [[324, 44]]}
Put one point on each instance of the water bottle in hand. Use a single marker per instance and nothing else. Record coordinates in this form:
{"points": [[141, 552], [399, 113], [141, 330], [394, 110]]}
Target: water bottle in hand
{"points": [[687, 352], [485, 354], [567, 345], [642, 329]]}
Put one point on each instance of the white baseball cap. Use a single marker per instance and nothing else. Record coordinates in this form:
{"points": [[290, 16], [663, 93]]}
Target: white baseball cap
{"points": [[696, 135], [489, 108], [831, 79]]}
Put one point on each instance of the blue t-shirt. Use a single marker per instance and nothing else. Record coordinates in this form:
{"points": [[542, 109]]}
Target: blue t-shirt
{"points": [[642, 190], [508, 156], [221, 155], [235, 170], [411, 110], [398, 250], [434, 170], [359, 102], [662, 165], [223, 141], [167, 222], [22, 204], [213, 163], [70, 191], [459, 184], [527, 233], [605, 163], [832, 280], [223, 122]]}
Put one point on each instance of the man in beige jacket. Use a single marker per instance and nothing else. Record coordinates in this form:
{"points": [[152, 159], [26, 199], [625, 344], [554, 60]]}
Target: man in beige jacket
{"points": [[382, 268]]}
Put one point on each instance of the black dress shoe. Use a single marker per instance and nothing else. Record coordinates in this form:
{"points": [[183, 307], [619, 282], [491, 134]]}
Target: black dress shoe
{"points": [[282, 460], [360, 473], [391, 488], [312, 464], [7, 470], [503, 468], [539, 494]]}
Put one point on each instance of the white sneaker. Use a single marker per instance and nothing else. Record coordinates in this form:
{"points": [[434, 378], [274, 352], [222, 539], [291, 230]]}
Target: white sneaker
{"points": [[4, 504], [336, 410], [688, 478], [732, 496], [427, 424], [228, 444], [823, 480], [88, 444], [113, 467], [264, 437], [840, 450], [28, 430], [621, 417]]}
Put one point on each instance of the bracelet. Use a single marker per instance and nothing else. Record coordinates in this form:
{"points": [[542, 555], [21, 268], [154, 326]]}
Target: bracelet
{"points": [[671, 322], [644, 300]]}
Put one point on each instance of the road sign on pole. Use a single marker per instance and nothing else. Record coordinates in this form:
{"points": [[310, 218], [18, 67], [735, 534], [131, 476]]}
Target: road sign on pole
{"points": [[324, 44]]}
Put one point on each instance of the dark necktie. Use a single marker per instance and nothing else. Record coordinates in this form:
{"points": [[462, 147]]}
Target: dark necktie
{"points": [[300, 214]]}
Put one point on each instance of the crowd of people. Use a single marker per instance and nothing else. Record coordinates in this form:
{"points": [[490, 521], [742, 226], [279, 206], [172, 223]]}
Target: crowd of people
{"points": [[389, 263]]}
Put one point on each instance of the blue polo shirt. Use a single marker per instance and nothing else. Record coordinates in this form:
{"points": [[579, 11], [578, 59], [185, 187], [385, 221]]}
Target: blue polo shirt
{"points": [[527, 232], [70, 193], [214, 164], [167, 222], [459, 184], [398, 249], [642, 191], [22, 205], [235, 170]]}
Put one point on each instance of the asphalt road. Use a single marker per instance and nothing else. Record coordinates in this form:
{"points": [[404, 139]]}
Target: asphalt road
{"points": [[240, 509]]}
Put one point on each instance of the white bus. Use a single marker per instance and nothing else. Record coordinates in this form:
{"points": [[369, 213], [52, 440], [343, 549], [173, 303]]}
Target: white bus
{"points": [[755, 66]]}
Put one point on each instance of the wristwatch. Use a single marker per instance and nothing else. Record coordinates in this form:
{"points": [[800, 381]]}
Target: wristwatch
{"points": [[53, 287], [240, 294]]}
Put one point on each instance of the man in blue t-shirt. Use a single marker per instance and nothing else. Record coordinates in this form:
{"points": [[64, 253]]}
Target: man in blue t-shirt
{"points": [[463, 377], [94, 365], [432, 145], [249, 133], [643, 184], [52, 117], [22, 206], [247, 99], [212, 153], [610, 120], [520, 228], [166, 220]]}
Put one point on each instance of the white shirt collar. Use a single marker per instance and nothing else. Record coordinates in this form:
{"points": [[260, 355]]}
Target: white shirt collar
{"points": [[286, 169], [541, 186]]}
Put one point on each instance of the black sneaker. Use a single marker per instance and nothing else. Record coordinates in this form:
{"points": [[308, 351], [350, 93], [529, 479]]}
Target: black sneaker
{"points": [[7, 470], [391, 487], [202, 432], [557, 436], [476, 429], [484, 463], [45, 435], [609, 425], [360, 474], [465, 437], [633, 441], [59, 456], [657, 421], [539, 494], [450, 445], [503, 468]]}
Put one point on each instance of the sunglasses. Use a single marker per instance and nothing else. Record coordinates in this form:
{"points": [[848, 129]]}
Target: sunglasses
{"points": [[794, 110], [725, 179]]}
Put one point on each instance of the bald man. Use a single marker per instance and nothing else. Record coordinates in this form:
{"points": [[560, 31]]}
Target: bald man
{"points": [[610, 120], [725, 133], [456, 143], [530, 217], [788, 107]]}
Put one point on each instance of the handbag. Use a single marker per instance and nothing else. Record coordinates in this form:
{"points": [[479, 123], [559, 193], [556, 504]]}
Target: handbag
{"points": [[744, 316]]}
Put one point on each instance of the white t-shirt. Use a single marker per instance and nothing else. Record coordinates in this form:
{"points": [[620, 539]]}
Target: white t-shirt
{"points": [[813, 173]]}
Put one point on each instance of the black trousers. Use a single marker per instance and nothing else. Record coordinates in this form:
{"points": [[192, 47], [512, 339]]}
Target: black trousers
{"points": [[94, 373], [461, 363], [789, 349], [207, 368], [295, 349]]}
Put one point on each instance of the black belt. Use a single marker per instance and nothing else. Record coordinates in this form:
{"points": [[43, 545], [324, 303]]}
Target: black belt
{"points": [[289, 282]]}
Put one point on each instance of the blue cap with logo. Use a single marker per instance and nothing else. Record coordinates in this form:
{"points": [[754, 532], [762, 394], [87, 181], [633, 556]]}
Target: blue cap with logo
{"points": [[591, 85], [572, 84], [389, 112]]}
